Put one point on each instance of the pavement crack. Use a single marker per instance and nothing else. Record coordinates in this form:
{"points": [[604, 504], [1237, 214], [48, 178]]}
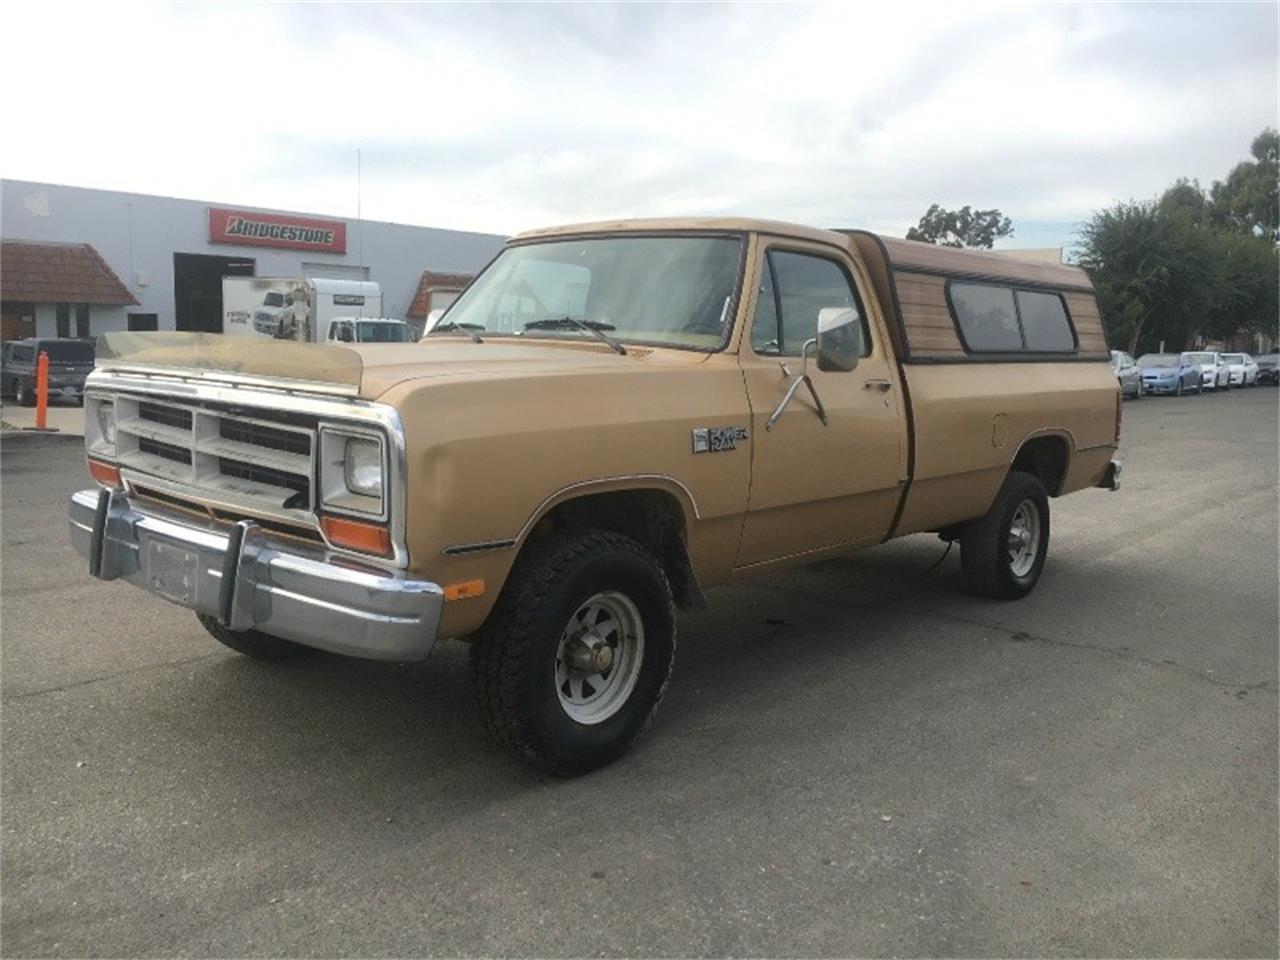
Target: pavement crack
{"points": [[1018, 635], [43, 691]]}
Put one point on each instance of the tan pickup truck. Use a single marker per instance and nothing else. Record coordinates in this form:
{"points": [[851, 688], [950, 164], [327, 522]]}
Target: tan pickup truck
{"points": [[611, 419]]}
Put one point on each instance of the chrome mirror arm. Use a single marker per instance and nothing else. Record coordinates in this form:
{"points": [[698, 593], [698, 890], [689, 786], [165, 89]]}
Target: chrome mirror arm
{"points": [[803, 378]]}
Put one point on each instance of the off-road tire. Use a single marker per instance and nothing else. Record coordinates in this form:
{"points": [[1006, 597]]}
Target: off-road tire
{"points": [[513, 659], [24, 393], [252, 643], [984, 555]]}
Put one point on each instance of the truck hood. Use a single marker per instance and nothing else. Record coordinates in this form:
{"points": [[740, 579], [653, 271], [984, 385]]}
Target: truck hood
{"points": [[387, 364], [367, 370]]}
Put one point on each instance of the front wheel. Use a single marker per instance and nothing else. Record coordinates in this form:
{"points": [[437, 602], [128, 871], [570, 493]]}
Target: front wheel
{"points": [[577, 654], [25, 396], [1002, 554], [1178, 391]]}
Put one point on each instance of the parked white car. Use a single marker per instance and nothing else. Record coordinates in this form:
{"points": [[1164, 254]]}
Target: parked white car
{"points": [[1243, 369], [1213, 372]]}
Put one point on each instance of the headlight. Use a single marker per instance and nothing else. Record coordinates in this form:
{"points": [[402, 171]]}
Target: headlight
{"points": [[364, 467], [353, 471], [107, 421], [100, 427]]}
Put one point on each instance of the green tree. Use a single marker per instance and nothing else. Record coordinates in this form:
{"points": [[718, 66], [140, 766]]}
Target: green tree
{"points": [[1172, 268], [1249, 199], [965, 227], [1131, 254], [1245, 286]]}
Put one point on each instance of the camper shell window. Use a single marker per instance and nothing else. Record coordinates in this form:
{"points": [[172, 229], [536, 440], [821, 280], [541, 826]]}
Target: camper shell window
{"points": [[1001, 318]]}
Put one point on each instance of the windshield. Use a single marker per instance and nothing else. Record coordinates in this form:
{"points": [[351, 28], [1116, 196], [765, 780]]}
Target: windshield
{"points": [[68, 351], [274, 300], [1199, 357], [670, 290], [381, 331], [1153, 360]]}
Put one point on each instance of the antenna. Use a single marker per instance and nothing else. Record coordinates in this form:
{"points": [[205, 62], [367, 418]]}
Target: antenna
{"points": [[359, 222]]}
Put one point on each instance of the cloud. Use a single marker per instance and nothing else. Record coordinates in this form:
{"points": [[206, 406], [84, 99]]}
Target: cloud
{"points": [[510, 116]]}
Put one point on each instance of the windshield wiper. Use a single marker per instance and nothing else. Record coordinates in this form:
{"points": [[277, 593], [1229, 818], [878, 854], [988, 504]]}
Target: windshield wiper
{"points": [[468, 328], [593, 327]]}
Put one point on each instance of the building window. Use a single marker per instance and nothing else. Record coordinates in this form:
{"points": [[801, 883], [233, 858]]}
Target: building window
{"points": [[143, 321], [62, 313], [82, 321]]}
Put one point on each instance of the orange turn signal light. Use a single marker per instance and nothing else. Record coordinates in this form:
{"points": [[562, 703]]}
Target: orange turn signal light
{"points": [[104, 473], [464, 590], [371, 538]]}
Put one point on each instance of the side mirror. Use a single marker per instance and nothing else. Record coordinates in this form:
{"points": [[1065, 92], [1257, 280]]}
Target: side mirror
{"points": [[840, 343]]}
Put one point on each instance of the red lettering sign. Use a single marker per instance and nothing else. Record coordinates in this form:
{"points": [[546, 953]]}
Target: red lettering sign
{"points": [[247, 229]]}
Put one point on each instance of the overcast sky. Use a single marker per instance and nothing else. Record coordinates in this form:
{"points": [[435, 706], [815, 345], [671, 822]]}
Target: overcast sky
{"points": [[500, 118]]}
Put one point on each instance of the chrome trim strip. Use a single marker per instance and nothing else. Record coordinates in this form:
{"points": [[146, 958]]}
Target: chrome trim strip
{"points": [[231, 379], [108, 382], [481, 546]]}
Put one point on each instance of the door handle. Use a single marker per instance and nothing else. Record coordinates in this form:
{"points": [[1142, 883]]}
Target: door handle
{"points": [[884, 386]]}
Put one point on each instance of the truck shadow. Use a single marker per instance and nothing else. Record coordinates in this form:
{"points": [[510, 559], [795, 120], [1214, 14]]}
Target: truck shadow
{"points": [[412, 734]]}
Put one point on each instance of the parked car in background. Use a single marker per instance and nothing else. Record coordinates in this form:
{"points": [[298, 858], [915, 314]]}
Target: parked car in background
{"points": [[266, 319], [70, 361], [1269, 368], [369, 330], [1173, 373], [1241, 369], [1128, 374], [1213, 372]]}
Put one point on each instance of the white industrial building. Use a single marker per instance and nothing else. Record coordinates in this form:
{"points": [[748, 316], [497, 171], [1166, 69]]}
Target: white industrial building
{"points": [[79, 262]]}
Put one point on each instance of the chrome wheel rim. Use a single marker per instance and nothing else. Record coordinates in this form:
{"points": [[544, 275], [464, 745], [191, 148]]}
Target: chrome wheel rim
{"points": [[598, 657], [1024, 538]]}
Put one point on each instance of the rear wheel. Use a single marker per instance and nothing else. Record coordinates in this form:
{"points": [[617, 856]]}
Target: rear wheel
{"points": [[251, 643], [577, 654], [1002, 554]]}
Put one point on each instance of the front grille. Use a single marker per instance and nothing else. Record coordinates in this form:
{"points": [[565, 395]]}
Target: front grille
{"points": [[171, 416], [221, 455], [264, 436], [278, 478], [166, 450]]}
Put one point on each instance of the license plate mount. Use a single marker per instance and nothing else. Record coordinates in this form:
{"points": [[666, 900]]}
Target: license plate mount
{"points": [[172, 571]]}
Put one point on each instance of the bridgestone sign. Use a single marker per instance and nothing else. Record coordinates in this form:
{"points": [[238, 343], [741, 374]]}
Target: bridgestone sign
{"points": [[249, 229]]}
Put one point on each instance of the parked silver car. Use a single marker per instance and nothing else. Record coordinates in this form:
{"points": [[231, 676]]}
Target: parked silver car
{"points": [[1173, 373], [1242, 369], [1128, 374], [1213, 372]]}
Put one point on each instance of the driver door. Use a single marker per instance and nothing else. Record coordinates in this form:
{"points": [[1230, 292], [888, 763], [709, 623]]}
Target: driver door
{"points": [[816, 486]]}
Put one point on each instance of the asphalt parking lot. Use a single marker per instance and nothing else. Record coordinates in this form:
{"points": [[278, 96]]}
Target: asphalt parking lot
{"points": [[856, 758]]}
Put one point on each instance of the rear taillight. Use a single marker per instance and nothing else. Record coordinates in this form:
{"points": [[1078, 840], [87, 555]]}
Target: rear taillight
{"points": [[1119, 415]]}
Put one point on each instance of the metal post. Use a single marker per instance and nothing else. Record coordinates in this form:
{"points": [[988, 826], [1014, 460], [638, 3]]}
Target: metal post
{"points": [[42, 390]]}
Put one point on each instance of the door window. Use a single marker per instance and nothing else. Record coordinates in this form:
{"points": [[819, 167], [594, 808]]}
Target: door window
{"points": [[794, 289]]}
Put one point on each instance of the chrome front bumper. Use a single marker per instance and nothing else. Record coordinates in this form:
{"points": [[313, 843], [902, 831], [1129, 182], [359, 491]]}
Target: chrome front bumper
{"points": [[250, 580]]}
